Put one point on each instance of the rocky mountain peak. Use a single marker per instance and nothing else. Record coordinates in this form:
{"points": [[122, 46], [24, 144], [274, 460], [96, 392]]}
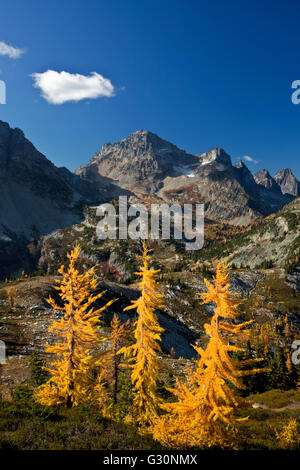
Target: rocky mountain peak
{"points": [[216, 157], [241, 164], [145, 163], [245, 177], [263, 174], [140, 161], [287, 182], [263, 178]]}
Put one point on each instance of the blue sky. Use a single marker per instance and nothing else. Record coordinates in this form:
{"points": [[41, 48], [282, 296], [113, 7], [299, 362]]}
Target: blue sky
{"points": [[199, 74]]}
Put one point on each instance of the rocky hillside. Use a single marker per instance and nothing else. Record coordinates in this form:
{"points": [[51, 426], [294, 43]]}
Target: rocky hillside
{"points": [[145, 163], [32, 190], [37, 196], [272, 241], [95, 189]]}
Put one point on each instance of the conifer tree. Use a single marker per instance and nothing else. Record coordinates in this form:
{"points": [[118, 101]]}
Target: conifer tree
{"points": [[287, 328], [119, 335], [143, 354], [288, 362], [205, 400], [279, 376], [11, 295], [77, 336]]}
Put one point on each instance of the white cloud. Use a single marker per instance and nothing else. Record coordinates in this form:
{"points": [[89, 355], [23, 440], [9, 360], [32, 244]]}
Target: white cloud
{"points": [[250, 159], [61, 87], [10, 51]]}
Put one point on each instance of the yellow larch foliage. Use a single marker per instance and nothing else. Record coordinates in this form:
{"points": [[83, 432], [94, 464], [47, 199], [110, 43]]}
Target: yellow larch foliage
{"points": [[289, 435], [262, 336], [11, 295], [205, 400], [107, 386], [77, 335], [143, 354], [288, 362], [287, 327], [120, 332]]}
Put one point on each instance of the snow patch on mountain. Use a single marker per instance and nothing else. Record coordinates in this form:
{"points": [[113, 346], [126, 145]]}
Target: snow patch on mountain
{"points": [[185, 170]]}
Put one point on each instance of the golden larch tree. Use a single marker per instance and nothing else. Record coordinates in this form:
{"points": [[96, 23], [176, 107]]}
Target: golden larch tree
{"points": [[287, 328], [77, 335], [120, 332], [206, 401], [11, 295], [143, 354]]}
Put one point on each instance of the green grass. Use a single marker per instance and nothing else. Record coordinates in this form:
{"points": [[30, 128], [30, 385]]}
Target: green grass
{"points": [[258, 432], [277, 398], [36, 427], [25, 425]]}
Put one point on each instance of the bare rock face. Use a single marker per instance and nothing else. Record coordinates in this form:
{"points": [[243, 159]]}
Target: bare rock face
{"points": [[217, 158], [24, 164], [141, 161], [229, 193], [263, 178], [32, 191], [97, 189], [218, 188], [246, 179], [288, 182], [293, 279]]}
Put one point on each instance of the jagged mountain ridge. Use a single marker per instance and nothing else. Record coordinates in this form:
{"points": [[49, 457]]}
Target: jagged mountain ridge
{"points": [[263, 178], [36, 193], [287, 182], [143, 162]]}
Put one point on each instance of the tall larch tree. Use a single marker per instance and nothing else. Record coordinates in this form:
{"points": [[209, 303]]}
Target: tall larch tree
{"points": [[206, 400], [143, 354], [77, 336]]}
